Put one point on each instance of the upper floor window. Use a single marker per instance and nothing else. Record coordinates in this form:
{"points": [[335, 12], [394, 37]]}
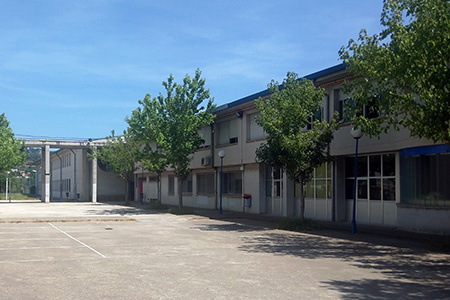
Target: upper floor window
{"points": [[254, 130], [344, 103], [317, 116], [205, 133], [227, 132]]}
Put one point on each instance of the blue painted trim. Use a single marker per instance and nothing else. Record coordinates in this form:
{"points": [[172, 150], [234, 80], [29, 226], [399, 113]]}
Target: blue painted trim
{"points": [[326, 72], [265, 92], [425, 150]]}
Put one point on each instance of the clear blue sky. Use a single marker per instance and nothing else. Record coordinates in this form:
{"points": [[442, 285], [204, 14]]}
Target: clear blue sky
{"points": [[78, 68]]}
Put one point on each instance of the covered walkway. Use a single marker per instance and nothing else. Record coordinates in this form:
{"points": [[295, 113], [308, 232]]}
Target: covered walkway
{"points": [[46, 145]]}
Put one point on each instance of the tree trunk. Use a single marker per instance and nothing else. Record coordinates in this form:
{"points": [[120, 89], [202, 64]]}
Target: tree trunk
{"points": [[127, 197], [302, 198], [180, 191], [159, 188]]}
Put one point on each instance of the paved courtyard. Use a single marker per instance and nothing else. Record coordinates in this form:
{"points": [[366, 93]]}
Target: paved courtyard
{"points": [[106, 251]]}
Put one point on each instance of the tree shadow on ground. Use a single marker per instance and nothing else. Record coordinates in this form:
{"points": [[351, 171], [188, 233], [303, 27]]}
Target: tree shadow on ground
{"points": [[388, 289], [410, 272], [123, 210], [237, 227]]}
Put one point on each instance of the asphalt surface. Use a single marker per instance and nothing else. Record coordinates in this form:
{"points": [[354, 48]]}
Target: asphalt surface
{"points": [[111, 251]]}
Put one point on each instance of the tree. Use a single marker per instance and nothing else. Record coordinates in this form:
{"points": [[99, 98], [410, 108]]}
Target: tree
{"points": [[403, 73], [120, 155], [284, 117], [12, 151], [171, 123], [153, 160]]}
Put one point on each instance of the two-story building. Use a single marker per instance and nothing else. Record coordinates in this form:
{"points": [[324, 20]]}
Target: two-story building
{"points": [[71, 178], [402, 181]]}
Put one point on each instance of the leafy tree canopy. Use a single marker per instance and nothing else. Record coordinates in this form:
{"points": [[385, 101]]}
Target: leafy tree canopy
{"points": [[12, 151], [284, 116], [168, 125], [404, 70]]}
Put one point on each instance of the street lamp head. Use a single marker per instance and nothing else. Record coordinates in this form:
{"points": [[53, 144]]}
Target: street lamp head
{"points": [[221, 153], [356, 133]]}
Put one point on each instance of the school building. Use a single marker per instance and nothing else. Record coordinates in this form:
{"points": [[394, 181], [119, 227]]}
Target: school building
{"points": [[402, 181]]}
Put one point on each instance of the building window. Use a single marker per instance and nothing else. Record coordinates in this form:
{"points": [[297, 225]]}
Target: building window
{"points": [[205, 133], [344, 113], [274, 182], [255, 131], [425, 180], [320, 184], [66, 160], [66, 185], [205, 184], [227, 132], [317, 116], [187, 185], [171, 184], [370, 110], [232, 183], [375, 177]]}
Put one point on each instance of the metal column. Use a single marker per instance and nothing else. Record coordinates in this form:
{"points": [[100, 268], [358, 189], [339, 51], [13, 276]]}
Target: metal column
{"points": [[45, 193], [94, 180]]}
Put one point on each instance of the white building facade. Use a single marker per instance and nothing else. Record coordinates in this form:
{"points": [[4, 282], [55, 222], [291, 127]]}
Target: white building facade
{"points": [[71, 178], [402, 182]]}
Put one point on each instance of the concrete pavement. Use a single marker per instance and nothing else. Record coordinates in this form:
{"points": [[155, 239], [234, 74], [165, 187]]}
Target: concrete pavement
{"points": [[98, 251]]}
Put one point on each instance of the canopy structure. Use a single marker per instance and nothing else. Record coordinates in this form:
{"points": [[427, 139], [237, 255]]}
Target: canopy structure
{"points": [[46, 145]]}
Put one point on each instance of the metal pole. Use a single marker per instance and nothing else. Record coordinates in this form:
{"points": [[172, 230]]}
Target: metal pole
{"points": [[142, 184], [221, 182], [6, 196], [354, 189], [75, 188], [10, 184]]}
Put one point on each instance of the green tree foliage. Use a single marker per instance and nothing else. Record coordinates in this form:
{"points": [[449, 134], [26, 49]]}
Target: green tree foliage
{"points": [[120, 154], [403, 72], [12, 151], [284, 116], [152, 159], [169, 125]]}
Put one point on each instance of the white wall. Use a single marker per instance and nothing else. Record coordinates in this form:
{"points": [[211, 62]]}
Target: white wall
{"points": [[421, 219]]}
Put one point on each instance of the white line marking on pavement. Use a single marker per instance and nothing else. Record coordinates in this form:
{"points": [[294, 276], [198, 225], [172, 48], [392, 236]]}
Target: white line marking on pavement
{"points": [[76, 240]]}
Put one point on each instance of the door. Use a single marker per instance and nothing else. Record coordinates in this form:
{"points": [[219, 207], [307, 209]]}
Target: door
{"points": [[274, 191]]}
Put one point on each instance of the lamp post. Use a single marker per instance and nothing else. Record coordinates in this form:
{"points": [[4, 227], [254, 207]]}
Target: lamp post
{"points": [[221, 155], [356, 134]]}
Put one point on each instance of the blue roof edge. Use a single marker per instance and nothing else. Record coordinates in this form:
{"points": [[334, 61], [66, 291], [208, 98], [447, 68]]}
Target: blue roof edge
{"points": [[265, 92]]}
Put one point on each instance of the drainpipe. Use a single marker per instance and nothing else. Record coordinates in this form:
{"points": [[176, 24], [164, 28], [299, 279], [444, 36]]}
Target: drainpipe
{"points": [[333, 191], [75, 175], [241, 146], [213, 149], [60, 177]]}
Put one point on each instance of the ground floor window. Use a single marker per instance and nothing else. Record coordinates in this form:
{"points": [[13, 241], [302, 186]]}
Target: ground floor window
{"points": [[274, 182], [320, 184], [171, 184], [232, 183], [187, 185], [66, 186], [425, 180], [205, 183], [375, 177]]}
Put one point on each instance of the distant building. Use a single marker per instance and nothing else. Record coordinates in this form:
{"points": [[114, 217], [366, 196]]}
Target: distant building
{"points": [[71, 178]]}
